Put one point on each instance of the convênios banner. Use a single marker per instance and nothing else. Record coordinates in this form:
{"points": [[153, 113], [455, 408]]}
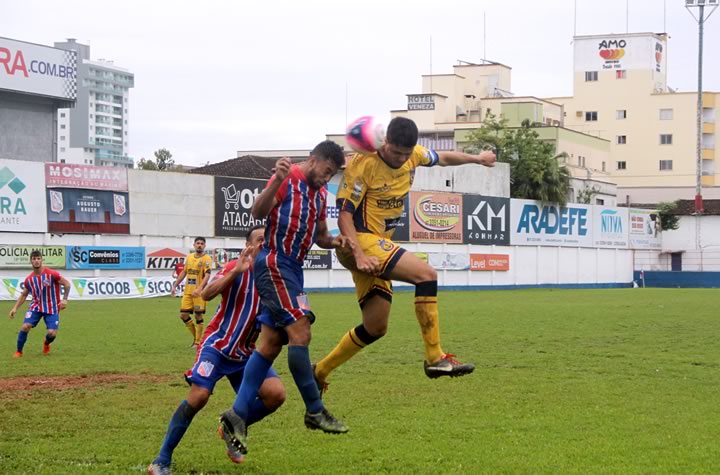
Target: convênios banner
{"points": [[100, 288]]}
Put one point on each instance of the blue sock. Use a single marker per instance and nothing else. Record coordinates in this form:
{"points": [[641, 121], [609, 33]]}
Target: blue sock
{"points": [[301, 369], [22, 338], [255, 373], [176, 430], [256, 411], [49, 339]]}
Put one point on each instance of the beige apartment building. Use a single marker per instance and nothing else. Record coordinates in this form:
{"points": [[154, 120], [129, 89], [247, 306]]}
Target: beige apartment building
{"points": [[621, 94]]}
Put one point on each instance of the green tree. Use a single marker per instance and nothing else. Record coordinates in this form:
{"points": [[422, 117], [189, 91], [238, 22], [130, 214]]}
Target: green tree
{"points": [[668, 220], [144, 164], [164, 160], [536, 171]]}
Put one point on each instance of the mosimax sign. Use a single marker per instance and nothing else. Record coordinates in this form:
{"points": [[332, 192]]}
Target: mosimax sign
{"points": [[549, 224]]}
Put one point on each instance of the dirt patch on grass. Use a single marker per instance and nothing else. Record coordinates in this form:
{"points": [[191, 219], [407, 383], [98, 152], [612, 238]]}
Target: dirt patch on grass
{"points": [[28, 384]]}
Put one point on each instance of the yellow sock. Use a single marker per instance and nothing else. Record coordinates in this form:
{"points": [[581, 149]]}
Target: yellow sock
{"points": [[199, 327], [349, 346], [426, 311], [191, 327]]}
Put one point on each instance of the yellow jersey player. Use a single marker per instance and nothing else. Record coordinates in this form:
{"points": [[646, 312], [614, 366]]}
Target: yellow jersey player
{"points": [[197, 270], [371, 200]]}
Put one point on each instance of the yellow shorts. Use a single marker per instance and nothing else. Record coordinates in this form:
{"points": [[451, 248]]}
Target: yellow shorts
{"points": [[192, 304], [386, 252]]}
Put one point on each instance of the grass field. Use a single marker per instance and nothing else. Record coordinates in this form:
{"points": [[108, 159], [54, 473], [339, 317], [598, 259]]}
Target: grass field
{"points": [[568, 381]]}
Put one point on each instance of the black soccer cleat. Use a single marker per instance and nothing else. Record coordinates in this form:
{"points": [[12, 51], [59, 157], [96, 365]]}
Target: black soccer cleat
{"points": [[326, 422], [234, 430], [447, 366]]}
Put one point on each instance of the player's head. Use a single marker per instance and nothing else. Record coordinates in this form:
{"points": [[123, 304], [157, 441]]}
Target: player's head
{"points": [[255, 235], [400, 140], [36, 259], [199, 244], [325, 160]]}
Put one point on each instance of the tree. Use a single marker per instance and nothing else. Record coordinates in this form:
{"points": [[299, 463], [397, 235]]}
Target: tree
{"points": [[668, 220], [536, 172], [163, 161]]}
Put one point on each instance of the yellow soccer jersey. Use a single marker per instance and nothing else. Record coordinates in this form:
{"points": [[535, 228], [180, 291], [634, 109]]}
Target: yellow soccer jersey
{"points": [[196, 268], [375, 193]]}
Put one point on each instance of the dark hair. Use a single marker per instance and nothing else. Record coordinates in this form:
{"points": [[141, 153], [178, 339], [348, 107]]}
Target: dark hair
{"points": [[329, 150], [35, 253], [254, 228], [199, 238], [402, 132]]}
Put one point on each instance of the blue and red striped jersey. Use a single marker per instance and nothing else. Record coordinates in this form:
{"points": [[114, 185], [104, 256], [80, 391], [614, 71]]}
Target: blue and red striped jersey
{"points": [[45, 290], [232, 330], [292, 225]]}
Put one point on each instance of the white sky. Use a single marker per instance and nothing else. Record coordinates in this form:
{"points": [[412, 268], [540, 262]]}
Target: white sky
{"points": [[215, 77]]}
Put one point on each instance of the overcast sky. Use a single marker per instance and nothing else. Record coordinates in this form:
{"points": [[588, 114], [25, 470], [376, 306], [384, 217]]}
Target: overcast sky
{"points": [[215, 77]]}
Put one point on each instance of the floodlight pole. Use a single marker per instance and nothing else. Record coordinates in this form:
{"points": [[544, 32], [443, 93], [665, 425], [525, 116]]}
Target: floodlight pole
{"points": [[701, 19]]}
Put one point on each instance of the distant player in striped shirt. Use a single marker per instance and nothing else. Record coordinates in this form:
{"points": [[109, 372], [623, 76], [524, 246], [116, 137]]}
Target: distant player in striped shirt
{"points": [[294, 202], [227, 343], [44, 285]]}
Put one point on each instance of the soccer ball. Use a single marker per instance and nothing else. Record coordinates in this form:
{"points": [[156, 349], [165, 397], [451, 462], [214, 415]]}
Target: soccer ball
{"points": [[365, 135]]}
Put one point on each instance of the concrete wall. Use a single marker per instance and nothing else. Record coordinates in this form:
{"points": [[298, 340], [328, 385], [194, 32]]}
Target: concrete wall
{"points": [[27, 127]]}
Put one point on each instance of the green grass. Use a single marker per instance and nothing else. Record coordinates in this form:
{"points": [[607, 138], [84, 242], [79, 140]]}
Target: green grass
{"points": [[568, 381]]}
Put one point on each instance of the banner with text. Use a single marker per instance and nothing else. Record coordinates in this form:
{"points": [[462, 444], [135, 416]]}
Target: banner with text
{"points": [[487, 220], [74, 208], [22, 197], [164, 258], [89, 177], [549, 224], [644, 229], [488, 262], [234, 198], [610, 227], [18, 257], [318, 259], [448, 261], [436, 217], [105, 257], [99, 288]]}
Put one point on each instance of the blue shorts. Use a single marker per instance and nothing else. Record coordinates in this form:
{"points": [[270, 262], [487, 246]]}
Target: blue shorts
{"points": [[279, 281], [211, 366], [52, 320]]}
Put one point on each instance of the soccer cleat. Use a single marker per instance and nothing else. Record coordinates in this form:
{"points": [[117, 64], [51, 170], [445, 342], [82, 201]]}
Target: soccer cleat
{"points": [[447, 366], [326, 422], [321, 385], [46, 349], [158, 469], [18, 354], [235, 431], [233, 453]]}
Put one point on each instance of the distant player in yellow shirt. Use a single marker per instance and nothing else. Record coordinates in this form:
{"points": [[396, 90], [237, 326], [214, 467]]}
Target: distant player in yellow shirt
{"points": [[197, 270], [371, 200]]}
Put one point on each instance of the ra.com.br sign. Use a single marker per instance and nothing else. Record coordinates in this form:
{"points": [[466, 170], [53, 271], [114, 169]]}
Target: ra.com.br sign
{"points": [[38, 69]]}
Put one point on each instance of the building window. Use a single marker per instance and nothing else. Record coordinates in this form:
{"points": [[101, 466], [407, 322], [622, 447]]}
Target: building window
{"points": [[62, 115], [603, 166], [620, 74], [591, 76], [91, 116], [62, 161], [591, 116], [62, 137], [666, 114], [621, 114], [62, 126], [62, 149], [622, 165], [621, 139], [665, 139], [665, 165], [599, 201]]}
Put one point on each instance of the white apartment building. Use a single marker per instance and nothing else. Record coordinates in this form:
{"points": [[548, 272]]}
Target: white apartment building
{"points": [[621, 94], [96, 131]]}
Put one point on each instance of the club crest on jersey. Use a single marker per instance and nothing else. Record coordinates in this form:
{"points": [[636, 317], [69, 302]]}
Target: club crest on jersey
{"points": [[357, 191], [385, 245], [205, 369]]}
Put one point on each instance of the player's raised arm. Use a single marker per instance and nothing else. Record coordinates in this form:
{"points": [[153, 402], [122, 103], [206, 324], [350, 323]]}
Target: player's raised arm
{"points": [[20, 301], [485, 158], [267, 200]]}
